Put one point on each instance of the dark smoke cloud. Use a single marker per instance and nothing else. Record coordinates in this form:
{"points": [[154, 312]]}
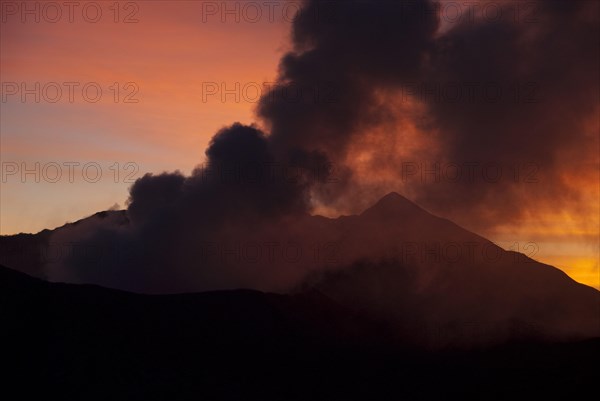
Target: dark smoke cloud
{"points": [[174, 220], [344, 51], [352, 60], [544, 123], [240, 171], [529, 88]]}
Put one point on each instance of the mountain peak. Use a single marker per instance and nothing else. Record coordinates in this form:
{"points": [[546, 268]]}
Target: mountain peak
{"points": [[393, 204], [393, 197]]}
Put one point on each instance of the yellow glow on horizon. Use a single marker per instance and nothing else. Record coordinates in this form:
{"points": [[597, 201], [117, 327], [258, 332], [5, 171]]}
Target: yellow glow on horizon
{"points": [[583, 270]]}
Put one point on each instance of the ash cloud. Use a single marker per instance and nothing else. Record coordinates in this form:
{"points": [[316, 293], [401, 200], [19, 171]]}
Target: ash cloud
{"points": [[543, 113], [174, 221], [527, 100]]}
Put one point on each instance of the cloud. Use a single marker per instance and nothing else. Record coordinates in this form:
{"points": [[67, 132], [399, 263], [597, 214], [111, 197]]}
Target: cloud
{"points": [[487, 119]]}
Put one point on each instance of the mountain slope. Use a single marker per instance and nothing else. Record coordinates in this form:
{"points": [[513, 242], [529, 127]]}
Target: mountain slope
{"points": [[448, 283]]}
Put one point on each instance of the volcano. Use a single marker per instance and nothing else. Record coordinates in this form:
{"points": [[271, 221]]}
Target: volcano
{"points": [[433, 283], [396, 298]]}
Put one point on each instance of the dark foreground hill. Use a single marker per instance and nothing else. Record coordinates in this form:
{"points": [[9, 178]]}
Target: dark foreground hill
{"points": [[81, 342]]}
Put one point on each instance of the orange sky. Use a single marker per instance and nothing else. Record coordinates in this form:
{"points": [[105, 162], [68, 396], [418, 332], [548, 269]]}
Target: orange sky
{"points": [[169, 54], [173, 51]]}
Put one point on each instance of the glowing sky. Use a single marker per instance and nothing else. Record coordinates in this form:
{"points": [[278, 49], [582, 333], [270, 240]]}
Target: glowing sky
{"points": [[169, 53]]}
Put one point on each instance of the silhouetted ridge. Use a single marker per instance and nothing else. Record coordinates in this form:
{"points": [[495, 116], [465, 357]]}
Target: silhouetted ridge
{"points": [[394, 205], [89, 343], [8, 275]]}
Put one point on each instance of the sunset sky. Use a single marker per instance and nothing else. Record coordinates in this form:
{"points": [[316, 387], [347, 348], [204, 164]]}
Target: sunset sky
{"points": [[167, 58]]}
